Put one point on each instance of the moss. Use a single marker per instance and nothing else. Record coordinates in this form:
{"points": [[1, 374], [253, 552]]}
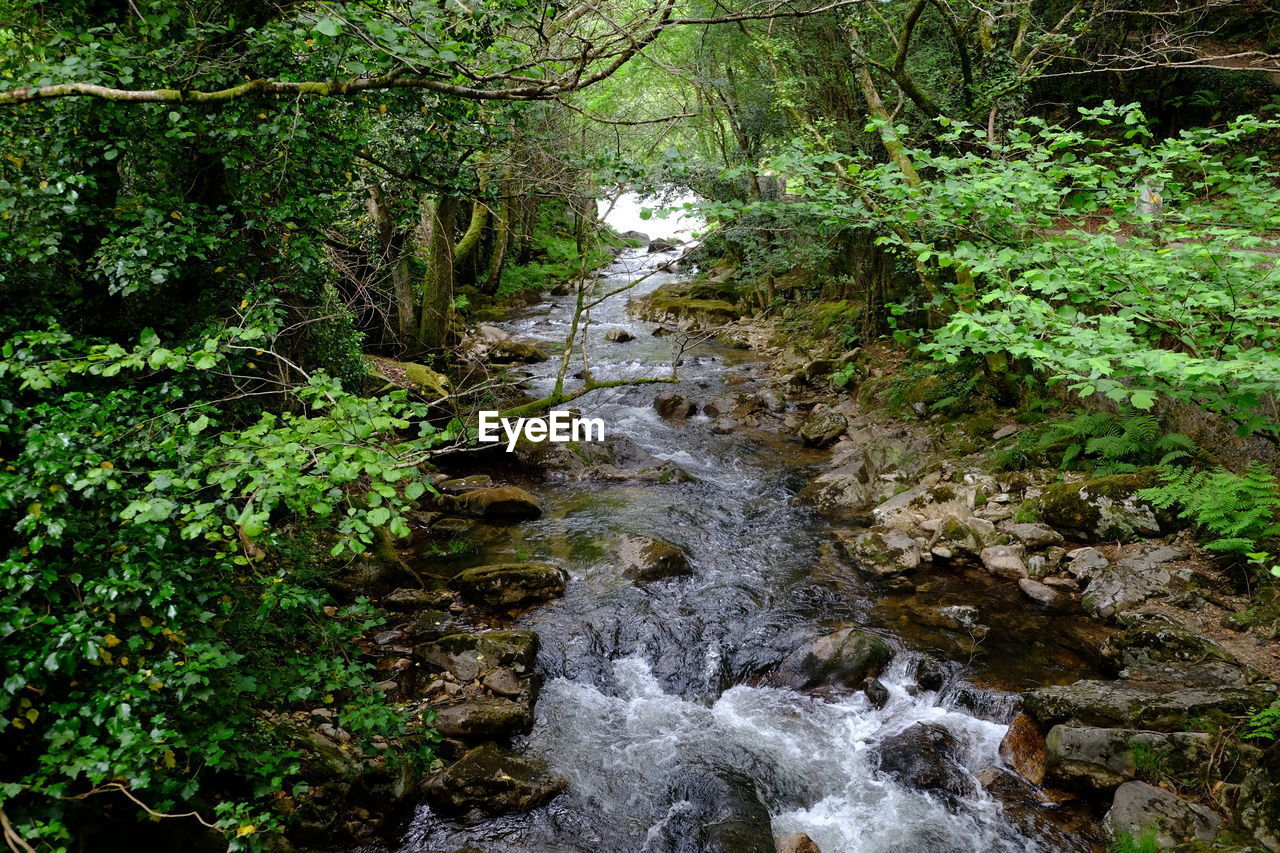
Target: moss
{"points": [[1028, 512]]}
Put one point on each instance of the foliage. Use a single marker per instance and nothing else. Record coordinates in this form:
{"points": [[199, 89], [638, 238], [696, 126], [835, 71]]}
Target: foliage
{"points": [[158, 605], [1033, 248], [1125, 842], [1106, 442], [1239, 510], [1264, 724]]}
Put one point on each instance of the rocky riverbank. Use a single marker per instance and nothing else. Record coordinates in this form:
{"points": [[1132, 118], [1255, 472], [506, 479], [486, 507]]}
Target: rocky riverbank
{"points": [[1157, 754]]}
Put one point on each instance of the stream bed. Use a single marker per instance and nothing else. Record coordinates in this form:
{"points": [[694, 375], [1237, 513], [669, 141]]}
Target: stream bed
{"points": [[653, 703]]}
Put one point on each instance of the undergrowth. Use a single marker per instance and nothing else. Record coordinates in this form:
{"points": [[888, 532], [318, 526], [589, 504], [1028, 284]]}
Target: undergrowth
{"points": [[1105, 443]]}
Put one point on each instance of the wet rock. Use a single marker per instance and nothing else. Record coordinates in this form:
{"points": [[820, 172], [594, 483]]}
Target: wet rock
{"points": [[1033, 536], [509, 584], [433, 624], [1004, 560], [773, 400], [1154, 639], [687, 305], [1100, 759], [1139, 809], [964, 618], [929, 672], [856, 479], [796, 842], [845, 658], [504, 682], [877, 693], [466, 656], [506, 503], [1259, 808], [1103, 509], [1133, 705], [671, 405], [1134, 579], [658, 244], [723, 405], [822, 430], [725, 425], [637, 237], [882, 551], [513, 351], [1023, 748], [491, 780], [619, 336], [1039, 592], [1084, 563], [407, 600], [960, 538], [645, 560], [721, 812], [483, 718], [465, 484], [927, 758], [617, 460]]}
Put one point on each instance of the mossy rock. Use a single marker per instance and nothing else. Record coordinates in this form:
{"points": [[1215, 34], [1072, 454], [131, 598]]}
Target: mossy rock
{"points": [[1104, 508], [510, 584], [411, 375]]}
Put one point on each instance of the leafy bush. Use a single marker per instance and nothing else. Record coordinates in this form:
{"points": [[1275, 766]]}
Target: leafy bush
{"points": [[160, 606], [1239, 510]]}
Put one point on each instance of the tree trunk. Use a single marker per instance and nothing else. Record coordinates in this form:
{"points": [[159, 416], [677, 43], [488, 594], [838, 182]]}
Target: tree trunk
{"points": [[437, 284]]}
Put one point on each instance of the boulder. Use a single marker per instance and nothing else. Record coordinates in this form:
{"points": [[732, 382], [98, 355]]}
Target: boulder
{"points": [[619, 336], [1260, 799], [505, 503], [408, 600], [434, 624], [822, 430], [877, 694], [1004, 560], [1040, 593], [1152, 640], [960, 538], [720, 812], [465, 484], [1102, 509], [1100, 759], [882, 551], [844, 658], [927, 758], [1033, 536], [1023, 749], [1135, 578], [510, 584], [1133, 705], [687, 305], [491, 780], [467, 656], [658, 244], [483, 718], [796, 842], [671, 405], [644, 560], [1084, 563], [637, 237], [1142, 810], [510, 350], [619, 459]]}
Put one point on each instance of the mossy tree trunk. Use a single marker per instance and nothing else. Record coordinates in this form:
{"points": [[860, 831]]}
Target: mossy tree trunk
{"points": [[437, 284]]}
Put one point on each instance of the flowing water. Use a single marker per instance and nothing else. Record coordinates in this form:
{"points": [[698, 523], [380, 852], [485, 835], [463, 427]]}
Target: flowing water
{"points": [[651, 687]]}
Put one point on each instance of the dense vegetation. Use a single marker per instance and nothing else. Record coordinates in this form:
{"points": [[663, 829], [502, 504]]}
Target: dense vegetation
{"points": [[210, 214]]}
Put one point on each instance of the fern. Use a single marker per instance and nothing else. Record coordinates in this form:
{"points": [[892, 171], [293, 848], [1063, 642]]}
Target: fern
{"points": [[1237, 509], [1107, 442]]}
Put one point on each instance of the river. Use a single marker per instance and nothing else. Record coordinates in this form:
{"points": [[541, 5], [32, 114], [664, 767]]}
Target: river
{"points": [[650, 688]]}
